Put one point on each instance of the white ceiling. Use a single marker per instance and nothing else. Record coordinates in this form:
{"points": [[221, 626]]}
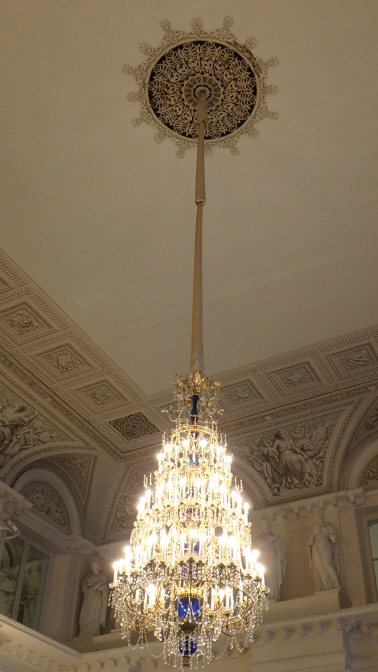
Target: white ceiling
{"points": [[102, 217]]}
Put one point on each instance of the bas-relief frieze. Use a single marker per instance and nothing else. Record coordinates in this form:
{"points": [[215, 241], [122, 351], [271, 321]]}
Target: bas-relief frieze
{"points": [[17, 376], [22, 428], [48, 502], [292, 456]]}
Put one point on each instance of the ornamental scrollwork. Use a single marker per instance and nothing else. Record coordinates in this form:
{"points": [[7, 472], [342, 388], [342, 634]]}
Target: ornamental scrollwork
{"points": [[21, 321], [234, 78], [126, 510], [134, 426], [47, 501], [370, 473], [78, 467]]}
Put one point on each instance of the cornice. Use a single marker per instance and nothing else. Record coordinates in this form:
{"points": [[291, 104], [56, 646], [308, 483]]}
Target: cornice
{"points": [[49, 360]]}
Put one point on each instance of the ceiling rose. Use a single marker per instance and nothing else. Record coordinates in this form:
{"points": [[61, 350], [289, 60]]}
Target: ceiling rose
{"points": [[186, 62]]}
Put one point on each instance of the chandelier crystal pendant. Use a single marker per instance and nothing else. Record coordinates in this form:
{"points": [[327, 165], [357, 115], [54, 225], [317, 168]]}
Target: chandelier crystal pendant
{"points": [[189, 575]]}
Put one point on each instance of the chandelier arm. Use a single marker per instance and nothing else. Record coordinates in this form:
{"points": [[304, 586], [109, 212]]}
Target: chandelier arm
{"points": [[196, 358]]}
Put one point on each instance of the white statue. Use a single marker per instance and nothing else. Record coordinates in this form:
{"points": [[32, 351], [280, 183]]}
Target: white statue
{"points": [[323, 555], [274, 559], [95, 602]]}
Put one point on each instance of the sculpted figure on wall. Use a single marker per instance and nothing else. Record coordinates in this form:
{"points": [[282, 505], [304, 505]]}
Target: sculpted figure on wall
{"points": [[14, 421], [95, 602], [292, 457], [21, 429], [323, 555], [274, 558], [8, 530]]}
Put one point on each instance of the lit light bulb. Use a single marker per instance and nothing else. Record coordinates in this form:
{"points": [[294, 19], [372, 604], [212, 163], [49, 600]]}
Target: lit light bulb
{"points": [[115, 567], [246, 509]]}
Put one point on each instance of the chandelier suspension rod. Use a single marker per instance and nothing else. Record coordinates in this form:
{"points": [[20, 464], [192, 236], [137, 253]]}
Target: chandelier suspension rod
{"points": [[196, 357]]}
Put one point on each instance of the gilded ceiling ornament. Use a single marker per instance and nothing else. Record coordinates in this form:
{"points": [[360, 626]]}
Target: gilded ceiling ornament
{"points": [[187, 61]]}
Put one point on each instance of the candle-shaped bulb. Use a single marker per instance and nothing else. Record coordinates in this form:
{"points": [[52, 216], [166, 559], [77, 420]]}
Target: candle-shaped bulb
{"points": [[148, 493], [246, 509], [115, 567]]}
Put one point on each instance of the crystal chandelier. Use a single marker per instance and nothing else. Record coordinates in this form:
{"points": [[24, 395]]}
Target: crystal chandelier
{"points": [[189, 574]]}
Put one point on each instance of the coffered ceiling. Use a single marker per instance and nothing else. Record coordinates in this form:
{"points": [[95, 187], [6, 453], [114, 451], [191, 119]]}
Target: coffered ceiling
{"points": [[101, 217]]}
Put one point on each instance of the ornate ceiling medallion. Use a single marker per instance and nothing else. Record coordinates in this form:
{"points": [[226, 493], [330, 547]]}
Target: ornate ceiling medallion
{"points": [[186, 62]]}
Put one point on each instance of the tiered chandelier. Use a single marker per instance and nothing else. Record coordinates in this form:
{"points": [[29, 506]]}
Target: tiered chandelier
{"points": [[189, 574]]}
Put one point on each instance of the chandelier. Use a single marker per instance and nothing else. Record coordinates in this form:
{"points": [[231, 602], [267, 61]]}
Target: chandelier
{"points": [[190, 575]]}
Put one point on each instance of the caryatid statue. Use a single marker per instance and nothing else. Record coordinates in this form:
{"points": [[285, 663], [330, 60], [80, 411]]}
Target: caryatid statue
{"points": [[323, 554], [274, 558], [95, 602]]}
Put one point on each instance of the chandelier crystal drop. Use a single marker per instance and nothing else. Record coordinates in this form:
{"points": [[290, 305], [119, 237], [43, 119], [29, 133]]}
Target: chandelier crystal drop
{"points": [[189, 576]]}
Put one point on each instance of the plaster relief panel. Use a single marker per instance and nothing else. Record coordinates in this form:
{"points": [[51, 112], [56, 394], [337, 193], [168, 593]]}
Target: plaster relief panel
{"points": [[241, 393], [22, 428], [101, 395], [370, 473], [367, 426], [292, 457], [371, 422], [78, 468], [123, 512], [293, 378], [48, 503], [354, 360], [22, 322], [64, 361], [134, 426]]}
